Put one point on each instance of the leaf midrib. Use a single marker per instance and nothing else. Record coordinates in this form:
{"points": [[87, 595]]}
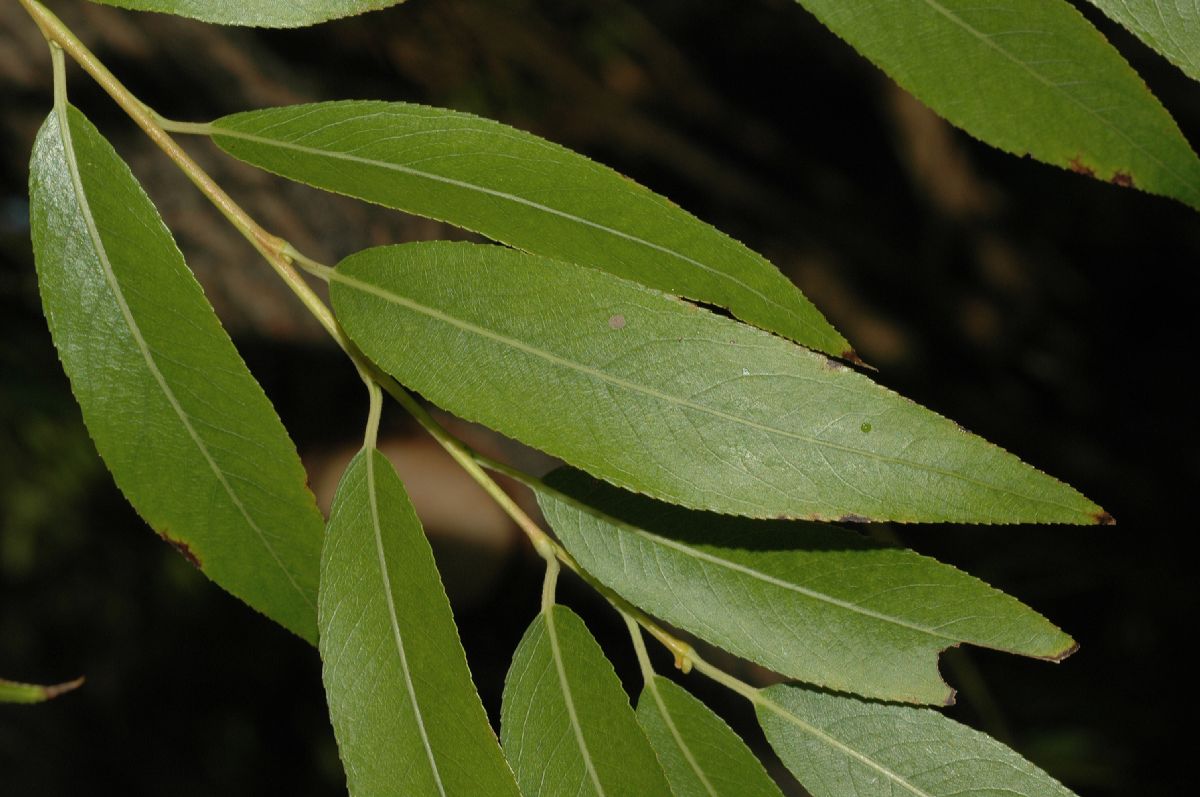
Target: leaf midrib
{"points": [[680, 742], [569, 700], [769, 704], [393, 618], [595, 373], [504, 195], [766, 578], [135, 331]]}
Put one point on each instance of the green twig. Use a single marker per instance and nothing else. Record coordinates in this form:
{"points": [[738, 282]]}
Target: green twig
{"points": [[283, 258]]}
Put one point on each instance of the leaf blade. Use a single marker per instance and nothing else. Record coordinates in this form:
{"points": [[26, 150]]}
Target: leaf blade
{"points": [[566, 724], [701, 755], [836, 744], [840, 611], [190, 438], [1171, 29], [256, 13], [405, 712], [660, 397], [523, 191], [1029, 77]]}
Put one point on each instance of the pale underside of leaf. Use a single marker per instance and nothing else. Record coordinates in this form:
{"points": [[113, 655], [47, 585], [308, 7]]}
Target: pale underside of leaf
{"points": [[660, 397], [1032, 77], [837, 745], [404, 710], [1171, 27], [840, 611], [526, 192], [566, 723], [701, 755], [257, 13], [385, 588], [565, 685], [188, 434]]}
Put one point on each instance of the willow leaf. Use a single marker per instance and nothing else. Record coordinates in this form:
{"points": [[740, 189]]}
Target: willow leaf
{"points": [[565, 720], [405, 713], [17, 692], [187, 433], [1169, 26], [701, 755], [839, 610], [838, 745], [524, 191], [1031, 77], [658, 396], [257, 13]]}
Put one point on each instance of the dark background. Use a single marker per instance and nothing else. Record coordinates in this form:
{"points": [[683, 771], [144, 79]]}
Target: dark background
{"points": [[1047, 312]]}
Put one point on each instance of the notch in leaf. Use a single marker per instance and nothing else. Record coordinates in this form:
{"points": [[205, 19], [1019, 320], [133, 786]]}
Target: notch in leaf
{"points": [[813, 602]]}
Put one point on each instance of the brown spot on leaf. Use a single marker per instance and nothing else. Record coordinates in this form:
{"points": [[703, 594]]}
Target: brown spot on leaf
{"points": [[1079, 167], [1066, 653], [831, 364], [185, 550], [1123, 179], [617, 321], [854, 519], [1104, 519]]}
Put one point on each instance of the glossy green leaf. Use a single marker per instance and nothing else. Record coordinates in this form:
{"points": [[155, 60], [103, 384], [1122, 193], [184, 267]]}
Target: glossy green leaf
{"points": [[661, 397], [406, 715], [521, 190], [701, 755], [17, 692], [257, 13], [1032, 77], [188, 434], [565, 720], [1172, 27], [816, 603], [838, 745]]}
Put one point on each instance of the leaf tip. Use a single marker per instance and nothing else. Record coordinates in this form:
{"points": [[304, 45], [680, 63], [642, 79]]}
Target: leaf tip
{"points": [[1065, 653], [61, 689], [1102, 518]]}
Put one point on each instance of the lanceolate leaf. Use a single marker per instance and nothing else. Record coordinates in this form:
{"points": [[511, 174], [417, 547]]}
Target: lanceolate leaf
{"points": [[188, 434], [812, 602], [1171, 27], [838, 745], [1028, 76], [407, 718], [566, 723], [701, 755], [16, 692], [521, 190], [656, 395], [258, 13]]}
